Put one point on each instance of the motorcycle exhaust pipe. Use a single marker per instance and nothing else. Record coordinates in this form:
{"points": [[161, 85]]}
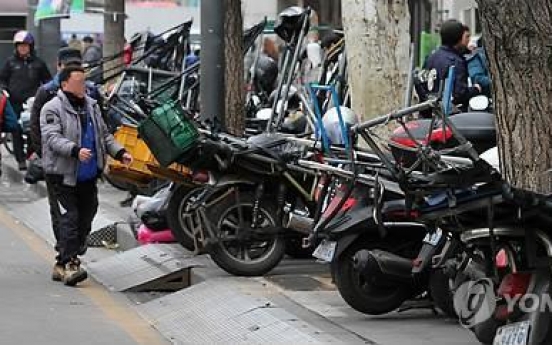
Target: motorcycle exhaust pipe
{"points": [[299, 223], [382, 265]]}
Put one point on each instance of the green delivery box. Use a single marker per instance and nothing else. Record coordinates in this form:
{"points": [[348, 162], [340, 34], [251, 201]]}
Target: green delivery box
{"points": [[168, 132]]}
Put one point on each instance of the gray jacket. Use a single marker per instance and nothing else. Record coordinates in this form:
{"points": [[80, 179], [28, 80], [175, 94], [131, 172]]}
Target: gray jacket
{"points": [[60, 126], [92, 54]]}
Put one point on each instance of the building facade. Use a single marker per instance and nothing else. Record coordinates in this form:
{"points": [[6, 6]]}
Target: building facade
{"points": [[463, 10], [13, 17]]}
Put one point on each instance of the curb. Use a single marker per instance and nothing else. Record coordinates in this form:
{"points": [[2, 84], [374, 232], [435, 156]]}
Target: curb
{"points": [[123, 232]]}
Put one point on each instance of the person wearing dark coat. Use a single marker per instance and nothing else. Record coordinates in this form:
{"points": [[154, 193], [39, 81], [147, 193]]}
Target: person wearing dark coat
{"points": [[22, 74], [454, 39]]}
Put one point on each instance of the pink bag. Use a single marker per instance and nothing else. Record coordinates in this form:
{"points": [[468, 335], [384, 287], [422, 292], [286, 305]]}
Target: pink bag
{"points": [[146, 235]]}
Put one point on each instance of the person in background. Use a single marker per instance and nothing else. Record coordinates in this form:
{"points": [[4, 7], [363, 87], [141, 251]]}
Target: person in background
{"points": [[92, 57], [21, 76], [477, 68], [75, 43], [75, 142], [454, 39], [271, 49], [190, 59], [91, 52]]}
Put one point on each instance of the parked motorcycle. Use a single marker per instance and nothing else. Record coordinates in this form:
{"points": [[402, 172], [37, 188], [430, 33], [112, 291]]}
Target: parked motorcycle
{"points": [[379, 256], [502, 254], [237, 214]]}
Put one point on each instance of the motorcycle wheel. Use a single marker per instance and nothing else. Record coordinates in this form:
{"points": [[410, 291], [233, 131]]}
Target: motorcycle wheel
{"points": [[176, 215], [368, 297], [238, 251]]}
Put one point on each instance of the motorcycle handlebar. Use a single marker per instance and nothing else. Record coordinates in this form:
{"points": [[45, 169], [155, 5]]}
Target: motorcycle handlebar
{"points": [[380, 120]]}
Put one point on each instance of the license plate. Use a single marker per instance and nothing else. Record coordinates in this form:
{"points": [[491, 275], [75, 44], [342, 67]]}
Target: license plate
{"points": [[325, 250], [434, 237], [514, 334]]}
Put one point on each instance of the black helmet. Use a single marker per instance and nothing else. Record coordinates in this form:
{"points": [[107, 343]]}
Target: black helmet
{"points": [[290, 22]]}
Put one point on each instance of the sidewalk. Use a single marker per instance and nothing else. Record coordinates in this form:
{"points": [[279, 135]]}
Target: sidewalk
{"points": [[36, 310]]}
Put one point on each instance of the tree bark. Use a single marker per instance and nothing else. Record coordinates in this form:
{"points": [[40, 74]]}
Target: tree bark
{"points": [[378, 53], [517, 40], [233, 75]]}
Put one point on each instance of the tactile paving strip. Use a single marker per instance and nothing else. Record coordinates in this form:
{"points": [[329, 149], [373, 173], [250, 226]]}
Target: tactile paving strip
{"points": [[141, 265], [215, 312]]}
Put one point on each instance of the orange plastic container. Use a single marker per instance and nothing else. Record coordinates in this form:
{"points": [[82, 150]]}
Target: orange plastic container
{"points": [[138, 171]]}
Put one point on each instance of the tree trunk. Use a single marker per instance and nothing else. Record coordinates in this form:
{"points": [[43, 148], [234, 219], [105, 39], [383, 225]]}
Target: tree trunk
{"points": [[234, 83], [517, 40], [378, 51]]}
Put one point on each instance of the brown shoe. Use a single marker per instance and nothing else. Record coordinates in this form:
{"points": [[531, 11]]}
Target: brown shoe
{"points": [[74, 274], [58, 272]]}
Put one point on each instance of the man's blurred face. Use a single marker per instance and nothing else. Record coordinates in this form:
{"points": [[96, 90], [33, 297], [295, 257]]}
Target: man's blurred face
{"points": [[23, 49], [465, 39], [75, 84]]}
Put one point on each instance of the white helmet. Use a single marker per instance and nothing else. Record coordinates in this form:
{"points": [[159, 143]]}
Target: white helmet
{"points": [[332, 126]]}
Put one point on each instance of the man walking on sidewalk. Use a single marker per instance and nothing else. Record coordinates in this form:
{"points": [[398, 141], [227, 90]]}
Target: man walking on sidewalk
{"points": [[75, 140], [66, 57]]}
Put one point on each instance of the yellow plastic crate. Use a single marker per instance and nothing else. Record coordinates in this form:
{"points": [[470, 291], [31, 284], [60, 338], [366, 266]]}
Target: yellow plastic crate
{"points": [[138, 171]]}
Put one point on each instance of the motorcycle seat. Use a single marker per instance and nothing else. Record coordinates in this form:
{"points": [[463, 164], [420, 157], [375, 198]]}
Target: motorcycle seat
{"points": [[276, 146]]}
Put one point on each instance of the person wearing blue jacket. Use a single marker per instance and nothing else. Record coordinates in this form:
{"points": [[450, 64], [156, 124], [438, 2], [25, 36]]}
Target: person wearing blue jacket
{"points": [[454, 38], [478, 70]]}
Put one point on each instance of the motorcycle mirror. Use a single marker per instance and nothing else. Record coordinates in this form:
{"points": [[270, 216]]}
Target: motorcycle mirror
{"points": [[479, 102]]}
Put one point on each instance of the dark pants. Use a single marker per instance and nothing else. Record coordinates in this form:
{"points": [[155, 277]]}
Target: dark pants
{"points": [[19, 146], [54, 206], [17, 137], [77, 208]]}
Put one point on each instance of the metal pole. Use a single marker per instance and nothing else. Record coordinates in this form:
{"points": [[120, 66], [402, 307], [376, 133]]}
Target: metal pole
{"points": [[31, 27], [50, 42], [212, 61], [47, 36], [114, 29], [410, 78]]}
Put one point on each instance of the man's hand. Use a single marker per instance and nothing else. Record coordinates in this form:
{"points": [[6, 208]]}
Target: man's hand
{"points": [[85, 155], [127, 158], [478, 87]]}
